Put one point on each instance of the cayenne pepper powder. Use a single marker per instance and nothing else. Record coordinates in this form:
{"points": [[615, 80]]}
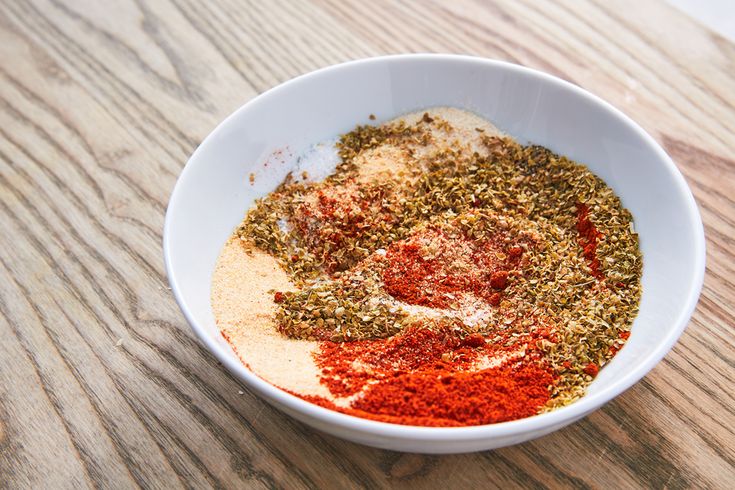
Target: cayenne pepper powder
{"points": [[588, 238], [416, 349], [431, 269], [473, 398], [623, 336], [428, 377], [592, 369], [469, 398], [327, 222]]}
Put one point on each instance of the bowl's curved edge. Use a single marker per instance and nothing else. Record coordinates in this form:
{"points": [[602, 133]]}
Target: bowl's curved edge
{"points": [[392, 435]]}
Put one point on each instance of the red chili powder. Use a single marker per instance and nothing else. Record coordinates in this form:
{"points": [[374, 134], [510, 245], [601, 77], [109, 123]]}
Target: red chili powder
{"points": [[472, 398], [425, 377], [438, 399], [615, 348], [432, 269], [588, 238], [348, 366], [329, 216], [592, 369]]}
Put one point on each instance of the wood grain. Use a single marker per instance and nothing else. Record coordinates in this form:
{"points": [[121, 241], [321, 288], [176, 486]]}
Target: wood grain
{"points": [[102, 383]]}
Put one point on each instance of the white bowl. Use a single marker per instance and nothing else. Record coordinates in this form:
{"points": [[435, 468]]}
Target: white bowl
{"points": [[214, 192]]}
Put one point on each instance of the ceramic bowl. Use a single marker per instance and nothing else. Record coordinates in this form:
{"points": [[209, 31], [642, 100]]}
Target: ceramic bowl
{"points": [[213, 193]]}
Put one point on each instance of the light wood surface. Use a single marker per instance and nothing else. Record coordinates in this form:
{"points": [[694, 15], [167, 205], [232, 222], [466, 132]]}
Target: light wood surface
{"points": [[102, 382]]}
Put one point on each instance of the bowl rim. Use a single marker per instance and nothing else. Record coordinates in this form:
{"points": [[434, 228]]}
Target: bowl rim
{"points": [[558, 417]]}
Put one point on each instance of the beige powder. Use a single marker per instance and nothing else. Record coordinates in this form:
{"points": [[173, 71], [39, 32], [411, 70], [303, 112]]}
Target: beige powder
{"points": [[243, 308], [384, 162], [393, 162], [466, 127]]}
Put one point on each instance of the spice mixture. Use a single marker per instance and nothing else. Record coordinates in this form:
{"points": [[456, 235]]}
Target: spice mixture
{"points": [[443, 275]]}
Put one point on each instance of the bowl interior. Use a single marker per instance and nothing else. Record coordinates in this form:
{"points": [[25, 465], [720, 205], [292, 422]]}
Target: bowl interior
{"points": [[214, 190]]}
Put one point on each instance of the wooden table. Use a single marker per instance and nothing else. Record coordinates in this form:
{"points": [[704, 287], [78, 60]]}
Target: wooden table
{"points": [[101, 380]]}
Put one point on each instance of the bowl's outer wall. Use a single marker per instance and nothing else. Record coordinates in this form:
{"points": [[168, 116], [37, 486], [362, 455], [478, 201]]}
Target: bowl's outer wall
{"points": [[438, 446], [214, 191]]}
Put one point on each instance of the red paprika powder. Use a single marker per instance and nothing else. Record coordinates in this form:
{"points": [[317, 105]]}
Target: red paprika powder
{"points": [[588, 238], [432, 268], [429, 377]]}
